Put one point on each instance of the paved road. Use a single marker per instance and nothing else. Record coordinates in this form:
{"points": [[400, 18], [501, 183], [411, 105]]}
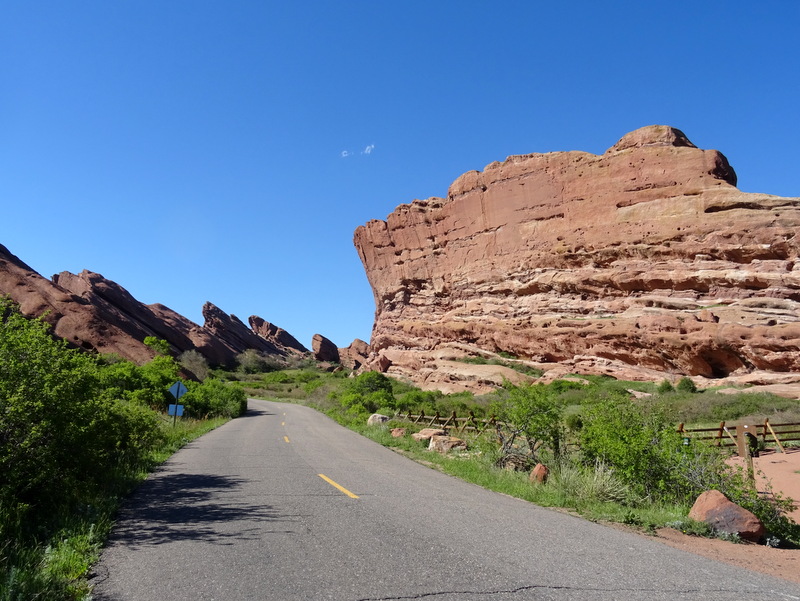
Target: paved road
{"points": [[243, 513]]}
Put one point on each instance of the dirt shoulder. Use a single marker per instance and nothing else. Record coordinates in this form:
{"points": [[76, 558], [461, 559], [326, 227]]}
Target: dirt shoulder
{"points": [[783, 471]]}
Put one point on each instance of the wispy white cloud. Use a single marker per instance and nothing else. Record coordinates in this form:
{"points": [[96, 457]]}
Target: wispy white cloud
{"points": [[367, 150]]}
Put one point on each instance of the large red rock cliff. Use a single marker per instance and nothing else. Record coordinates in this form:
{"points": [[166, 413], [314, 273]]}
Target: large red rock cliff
{"points": [[643, 261]]}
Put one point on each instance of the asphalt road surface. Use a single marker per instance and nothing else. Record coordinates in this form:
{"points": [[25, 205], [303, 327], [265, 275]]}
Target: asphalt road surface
{"points": [[283, 504]]}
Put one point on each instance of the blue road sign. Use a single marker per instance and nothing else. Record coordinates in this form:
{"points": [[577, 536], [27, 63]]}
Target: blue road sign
{"points": [[176, 410], [178, 389]]}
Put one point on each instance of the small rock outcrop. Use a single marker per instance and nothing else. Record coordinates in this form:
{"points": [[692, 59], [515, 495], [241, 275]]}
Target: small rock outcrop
{"points": [[641, 261], [539, 473], [714, 509], [323, 349]]}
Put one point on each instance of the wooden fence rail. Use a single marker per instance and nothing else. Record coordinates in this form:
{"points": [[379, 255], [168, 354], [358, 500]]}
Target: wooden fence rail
{"points": [[453, 422], [722, 435], [726, 436]]}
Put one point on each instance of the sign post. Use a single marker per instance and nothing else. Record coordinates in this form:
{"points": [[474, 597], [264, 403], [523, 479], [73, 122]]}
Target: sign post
{"points": [[178, 389]]}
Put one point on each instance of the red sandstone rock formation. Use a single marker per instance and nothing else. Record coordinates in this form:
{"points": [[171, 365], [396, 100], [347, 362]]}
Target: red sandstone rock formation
{"points": [[116, 305], [642, 261], [355, 355], [234, 332], [324, 349], [97, 314], [72, 317], [277, 336]]}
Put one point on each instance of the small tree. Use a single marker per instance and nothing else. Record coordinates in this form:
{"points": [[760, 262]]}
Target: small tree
{"points": [[532, 413]]}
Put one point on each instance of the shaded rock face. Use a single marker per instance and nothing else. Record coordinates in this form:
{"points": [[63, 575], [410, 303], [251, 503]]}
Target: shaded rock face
{"points": [[94, 313], [323, 349], [355, 355], [117, 306], [232, 330], [277, 336], [642, 261]]}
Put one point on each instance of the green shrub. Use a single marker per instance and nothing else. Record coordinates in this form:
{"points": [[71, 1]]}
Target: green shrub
{"points": [[194, 362], [60, 435], [213, 398], [664, 387], [686, 385], [533, 414], [252, 362], [639, 445]]}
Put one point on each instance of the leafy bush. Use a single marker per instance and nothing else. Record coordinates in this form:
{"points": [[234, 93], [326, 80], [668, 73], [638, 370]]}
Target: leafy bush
{"points": [[213, 398], [253, 362], [664, 387], [59, 434], [639, 445], [533, 414], [686, 385], [194, 362]]}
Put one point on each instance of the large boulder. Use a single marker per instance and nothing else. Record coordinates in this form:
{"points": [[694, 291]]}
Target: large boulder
{"points": [[355, 355], [714, 508], [376, 419], [539, 473], [427, 433], [445, 444], [606, 264], [324, 349]]}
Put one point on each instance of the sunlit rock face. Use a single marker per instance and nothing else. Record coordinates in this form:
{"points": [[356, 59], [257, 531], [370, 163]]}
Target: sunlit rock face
{"points": [[640, 262], [96, 314]]}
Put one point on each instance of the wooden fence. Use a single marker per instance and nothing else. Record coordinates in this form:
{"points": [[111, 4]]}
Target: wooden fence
{"points": [[726, 436], [722, 435], [453, 422]]}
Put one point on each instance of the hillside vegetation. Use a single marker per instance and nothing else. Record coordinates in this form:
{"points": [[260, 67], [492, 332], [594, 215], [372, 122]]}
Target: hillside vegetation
{"points": [[77, 432]]}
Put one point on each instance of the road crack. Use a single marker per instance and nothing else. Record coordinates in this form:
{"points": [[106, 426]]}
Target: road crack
{"points": [[532, 587]]}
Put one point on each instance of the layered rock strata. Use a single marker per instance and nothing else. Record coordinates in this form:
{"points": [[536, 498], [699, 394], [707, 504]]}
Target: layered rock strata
{"points": [[94, 313], [643, 261]]}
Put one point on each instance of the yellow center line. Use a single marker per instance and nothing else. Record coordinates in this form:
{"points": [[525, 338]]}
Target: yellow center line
{"points": [[286, 438], [341, 488]]}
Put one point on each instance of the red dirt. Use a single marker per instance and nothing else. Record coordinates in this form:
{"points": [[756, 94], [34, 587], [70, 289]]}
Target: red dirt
{"points": [[783, 471]]}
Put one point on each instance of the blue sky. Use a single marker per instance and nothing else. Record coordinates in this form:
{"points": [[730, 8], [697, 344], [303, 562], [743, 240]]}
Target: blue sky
{"points": [[226, 151]]}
